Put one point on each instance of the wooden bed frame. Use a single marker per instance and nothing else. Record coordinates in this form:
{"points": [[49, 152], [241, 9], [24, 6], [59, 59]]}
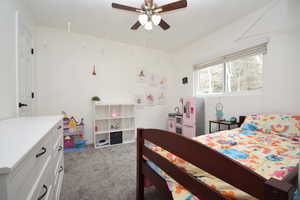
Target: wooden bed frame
{"points": [[210, 161]]}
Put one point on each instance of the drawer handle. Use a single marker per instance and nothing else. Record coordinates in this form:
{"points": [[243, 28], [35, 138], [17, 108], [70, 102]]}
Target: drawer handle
{"points": [[44, 150], [60, 169], [60, 148], [44, 194], [59, 127]]}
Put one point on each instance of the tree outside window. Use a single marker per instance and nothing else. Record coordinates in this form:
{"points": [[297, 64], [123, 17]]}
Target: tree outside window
{"points": [[244, 74]]}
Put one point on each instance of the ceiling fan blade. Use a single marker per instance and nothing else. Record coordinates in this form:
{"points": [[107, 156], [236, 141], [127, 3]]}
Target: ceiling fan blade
{"points": [[136, 26], [123, 7], [172, 6], [164, 25]]}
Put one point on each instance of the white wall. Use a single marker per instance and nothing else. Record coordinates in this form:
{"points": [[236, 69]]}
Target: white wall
{"points": [[8, 77], [281, 26], [64, 81]]}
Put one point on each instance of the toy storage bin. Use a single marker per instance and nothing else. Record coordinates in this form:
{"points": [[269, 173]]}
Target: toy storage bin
{"points": [[116, 137]]}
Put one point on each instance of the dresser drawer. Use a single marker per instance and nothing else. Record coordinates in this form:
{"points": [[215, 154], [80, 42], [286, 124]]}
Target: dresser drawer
{"points": [[58, 129], [58, 169], [42, 188], [58, 186], [58, 146], [29, 168]]}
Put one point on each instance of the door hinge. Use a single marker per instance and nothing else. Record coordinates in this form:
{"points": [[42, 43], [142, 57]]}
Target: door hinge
{"points": [[32, 95], [32, 51]]}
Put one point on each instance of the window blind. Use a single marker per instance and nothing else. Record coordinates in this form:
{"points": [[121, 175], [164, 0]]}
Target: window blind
{"points": [[259, 49]]}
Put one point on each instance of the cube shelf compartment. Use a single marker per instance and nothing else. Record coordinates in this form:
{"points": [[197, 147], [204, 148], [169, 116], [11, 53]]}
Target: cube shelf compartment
{"points": [[113, 124], [128, 136]]}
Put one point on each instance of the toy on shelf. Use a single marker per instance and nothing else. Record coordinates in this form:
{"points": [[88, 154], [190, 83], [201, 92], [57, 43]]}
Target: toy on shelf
{"points": [[73, 134]]}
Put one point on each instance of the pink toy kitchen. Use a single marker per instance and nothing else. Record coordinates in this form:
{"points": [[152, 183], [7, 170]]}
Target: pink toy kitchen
{"points": [[189, 118]]}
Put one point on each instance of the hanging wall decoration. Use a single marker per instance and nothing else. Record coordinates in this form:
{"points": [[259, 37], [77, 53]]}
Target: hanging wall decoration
{"points": [[142, 75], [94, 71]]}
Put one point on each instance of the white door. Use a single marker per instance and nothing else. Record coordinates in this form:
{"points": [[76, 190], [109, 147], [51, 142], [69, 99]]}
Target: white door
{"points": [[24, 70]]}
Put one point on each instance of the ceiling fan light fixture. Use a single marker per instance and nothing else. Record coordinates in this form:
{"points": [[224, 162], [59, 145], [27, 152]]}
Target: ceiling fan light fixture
{"points": [[143, 19], [150, 13], [156, 19], [148, 26]]}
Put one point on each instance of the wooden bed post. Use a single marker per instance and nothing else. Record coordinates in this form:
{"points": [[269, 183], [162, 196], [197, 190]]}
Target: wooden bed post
{"points": [[278, 190], [241, 120], [139, 175]]}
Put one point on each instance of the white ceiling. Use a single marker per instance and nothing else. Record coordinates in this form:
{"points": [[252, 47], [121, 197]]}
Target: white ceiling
{"points": [[96, 17]]}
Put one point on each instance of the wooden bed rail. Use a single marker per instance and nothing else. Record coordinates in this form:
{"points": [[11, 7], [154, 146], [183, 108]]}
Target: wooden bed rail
{"points": [[284, 189], [208, 160], [194, 185]]}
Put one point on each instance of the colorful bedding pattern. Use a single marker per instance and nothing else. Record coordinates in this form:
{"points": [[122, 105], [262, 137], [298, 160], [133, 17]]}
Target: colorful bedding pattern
{"points": [[267, 154], [283, 125]]}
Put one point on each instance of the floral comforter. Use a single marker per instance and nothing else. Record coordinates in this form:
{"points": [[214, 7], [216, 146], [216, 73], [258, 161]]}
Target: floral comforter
{"points": [[267, 154]]}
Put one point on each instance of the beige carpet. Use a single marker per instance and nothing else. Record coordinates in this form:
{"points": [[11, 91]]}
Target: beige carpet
{"points": [[102, 174]]}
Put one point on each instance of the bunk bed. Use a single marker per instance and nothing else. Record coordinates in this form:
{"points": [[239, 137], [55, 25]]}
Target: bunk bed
{"points": [[155, 163]]}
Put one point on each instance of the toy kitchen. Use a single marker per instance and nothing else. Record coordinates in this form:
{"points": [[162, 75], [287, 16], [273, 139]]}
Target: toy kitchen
{"points": [[189, 117]]}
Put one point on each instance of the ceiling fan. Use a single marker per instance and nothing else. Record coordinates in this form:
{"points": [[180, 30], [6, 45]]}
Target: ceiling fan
{"points": [[150, 13]]}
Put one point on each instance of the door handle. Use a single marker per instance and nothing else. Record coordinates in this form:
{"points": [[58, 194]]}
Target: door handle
{"points": [[22, 105]]}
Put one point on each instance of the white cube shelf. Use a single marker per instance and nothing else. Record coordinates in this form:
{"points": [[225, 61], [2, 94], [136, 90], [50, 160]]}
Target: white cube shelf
{"points": [[111, 118]]}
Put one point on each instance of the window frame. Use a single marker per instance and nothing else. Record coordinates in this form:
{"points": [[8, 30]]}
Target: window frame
{"points": [[226, 91]]}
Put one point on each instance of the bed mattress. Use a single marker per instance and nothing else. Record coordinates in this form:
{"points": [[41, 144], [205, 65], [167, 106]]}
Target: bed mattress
{"points": [[269, 155]]}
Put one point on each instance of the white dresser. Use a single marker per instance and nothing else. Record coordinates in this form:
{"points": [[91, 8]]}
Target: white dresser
{"points": [[31, 158]]}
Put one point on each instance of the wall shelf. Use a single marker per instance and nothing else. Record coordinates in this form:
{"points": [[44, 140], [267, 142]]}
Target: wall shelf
{"points": [[114, 124]]}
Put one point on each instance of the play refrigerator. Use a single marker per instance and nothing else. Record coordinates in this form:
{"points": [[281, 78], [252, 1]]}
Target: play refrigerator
{"points": [[193, 121]]}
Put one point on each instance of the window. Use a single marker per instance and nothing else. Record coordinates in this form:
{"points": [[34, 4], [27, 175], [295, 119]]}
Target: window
{"points": [[242, 71], [211, 79], [244, 74]]}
